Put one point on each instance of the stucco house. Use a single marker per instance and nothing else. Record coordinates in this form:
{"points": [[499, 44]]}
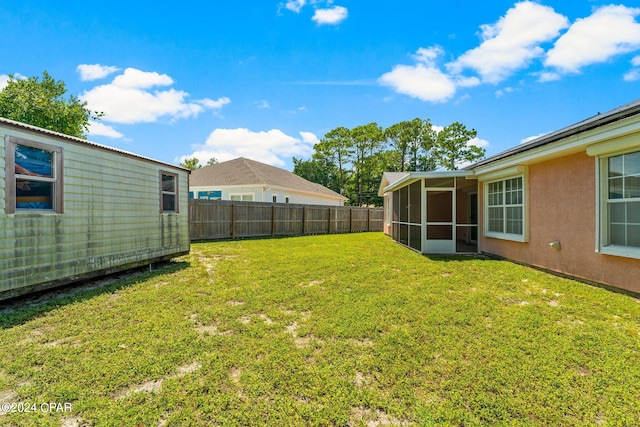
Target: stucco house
{"points": [[568, 202], [71, 209], [248, 180]]}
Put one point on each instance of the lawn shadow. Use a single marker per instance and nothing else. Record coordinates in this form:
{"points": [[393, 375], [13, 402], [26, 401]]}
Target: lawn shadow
{"points": [[22, 309]]}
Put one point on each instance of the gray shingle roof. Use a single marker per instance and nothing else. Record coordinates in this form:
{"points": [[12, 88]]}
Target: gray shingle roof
{"points": [[242, 171]]}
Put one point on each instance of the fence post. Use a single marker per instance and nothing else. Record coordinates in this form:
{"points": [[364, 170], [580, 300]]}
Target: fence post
{"points": [[304, 220], [368, 219], [233, 220], [273, 220]]}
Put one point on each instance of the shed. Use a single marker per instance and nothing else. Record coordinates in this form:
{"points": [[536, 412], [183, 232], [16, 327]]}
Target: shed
{"points": [[247, 180], [71, 209]]}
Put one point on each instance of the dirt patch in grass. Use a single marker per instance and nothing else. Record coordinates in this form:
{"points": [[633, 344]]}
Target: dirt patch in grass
{"points": [[154, 386], [361, 416]]}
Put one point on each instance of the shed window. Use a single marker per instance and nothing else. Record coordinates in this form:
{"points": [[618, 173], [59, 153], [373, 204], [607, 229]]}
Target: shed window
{"points": [[621, 197], [505, 209], [168, 192], [33, 176]]}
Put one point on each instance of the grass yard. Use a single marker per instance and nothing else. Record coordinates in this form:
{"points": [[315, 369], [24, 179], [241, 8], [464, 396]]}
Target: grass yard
{"points": [[342, 330]]}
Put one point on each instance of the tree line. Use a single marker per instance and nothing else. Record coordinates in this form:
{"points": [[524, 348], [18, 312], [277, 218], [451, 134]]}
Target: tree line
{"points": [[348, 161], [351, 161]]}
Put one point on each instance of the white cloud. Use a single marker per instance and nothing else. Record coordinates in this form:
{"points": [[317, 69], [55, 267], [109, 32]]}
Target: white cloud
{"points": [[548, 76], [330, 16], [213, 104], [96, 128], [501, 92], [309, 138], [95, 71], [511, 43], [531, 138], [423, 80], [478, 142], [428, 55], [4, 79], [128, 99], [636, 61], [295, 5], [269, 147], [137, 79], [632, 76], [262, 104], [609, 31]]}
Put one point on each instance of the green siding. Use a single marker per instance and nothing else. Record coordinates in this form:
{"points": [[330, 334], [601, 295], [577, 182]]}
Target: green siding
{"points": [[111, 218]]}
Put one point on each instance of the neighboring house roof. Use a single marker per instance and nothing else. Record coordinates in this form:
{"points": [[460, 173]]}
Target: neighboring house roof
{"points": [[246, 172], [46, 132]]}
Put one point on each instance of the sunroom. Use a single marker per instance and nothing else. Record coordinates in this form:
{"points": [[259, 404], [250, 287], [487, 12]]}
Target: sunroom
{"points": [[432, 212]]}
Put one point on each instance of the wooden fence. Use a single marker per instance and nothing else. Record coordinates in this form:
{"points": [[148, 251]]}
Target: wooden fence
{"points": [[223, 219]]}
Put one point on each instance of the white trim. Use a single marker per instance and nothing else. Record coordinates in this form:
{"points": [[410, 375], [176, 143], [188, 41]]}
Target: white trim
{"points": [[599, 180], [602, 204], [622, 145], [411, 177], [623, 251], [511, 172], [253, 196], [524, 237], [574, 143]]}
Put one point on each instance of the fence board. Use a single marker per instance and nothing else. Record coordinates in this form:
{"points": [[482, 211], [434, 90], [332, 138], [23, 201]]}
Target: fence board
{"points": [[224, 219]]}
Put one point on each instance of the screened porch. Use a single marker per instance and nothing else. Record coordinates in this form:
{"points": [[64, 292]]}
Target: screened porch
{"points": [[436, 212]]}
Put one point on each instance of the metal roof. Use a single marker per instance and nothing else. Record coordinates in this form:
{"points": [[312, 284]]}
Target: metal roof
{"points": [[600, 119], [58, 135]]}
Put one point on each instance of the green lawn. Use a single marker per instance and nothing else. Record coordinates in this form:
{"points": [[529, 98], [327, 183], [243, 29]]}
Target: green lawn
{"points": [[326, 330]]}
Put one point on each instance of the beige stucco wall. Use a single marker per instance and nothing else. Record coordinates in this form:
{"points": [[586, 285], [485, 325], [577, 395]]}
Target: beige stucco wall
{"points": [[562, 206]]}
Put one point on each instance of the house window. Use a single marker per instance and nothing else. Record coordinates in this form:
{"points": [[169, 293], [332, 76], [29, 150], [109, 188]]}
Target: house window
{"points": [[286, 199], [168, 192], [621, 207], [241, 197], [33, 176], [504, 212], [210, 195], [274, 198]]}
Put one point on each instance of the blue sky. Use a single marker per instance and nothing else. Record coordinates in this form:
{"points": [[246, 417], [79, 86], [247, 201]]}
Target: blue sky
{"points": [[266, 79]]}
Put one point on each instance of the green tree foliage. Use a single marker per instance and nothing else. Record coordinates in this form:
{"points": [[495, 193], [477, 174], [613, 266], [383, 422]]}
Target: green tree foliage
{"points": [[452, 146], [41, 102], [336, 148], [318, 171], [411, 142], [351, 161], [367, 145], [191, 164]]}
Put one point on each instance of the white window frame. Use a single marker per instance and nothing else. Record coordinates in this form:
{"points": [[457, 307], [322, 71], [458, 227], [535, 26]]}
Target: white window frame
{"points": [[525, 199], [388, 208], [242, 197], [11, 176], [174, 193], [603, 201]]}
